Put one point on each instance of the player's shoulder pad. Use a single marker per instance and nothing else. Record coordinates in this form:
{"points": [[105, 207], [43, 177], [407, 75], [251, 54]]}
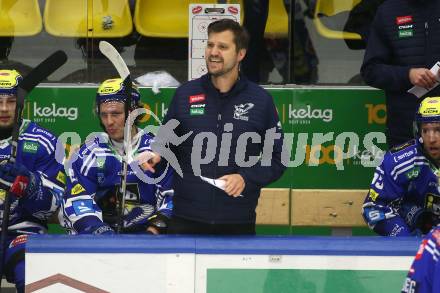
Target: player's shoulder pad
{"points": [[38, 131], [37, 140], [400, 158], [403, 146], [404, 152]]}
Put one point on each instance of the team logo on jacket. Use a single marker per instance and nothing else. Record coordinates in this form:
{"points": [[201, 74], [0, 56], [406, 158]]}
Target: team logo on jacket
{"points": [[241, 112], [197, 109], [404, 19], [405, 26], [197, 98]]}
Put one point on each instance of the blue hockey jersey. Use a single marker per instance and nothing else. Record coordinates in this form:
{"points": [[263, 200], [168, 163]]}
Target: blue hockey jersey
{"points": [[404, 186], [424, 274], [36, 151], [93, 188]]}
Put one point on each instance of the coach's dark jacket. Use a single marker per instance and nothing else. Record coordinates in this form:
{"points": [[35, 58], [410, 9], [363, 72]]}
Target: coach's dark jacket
{"points": [[405, 34], [199, 107]]}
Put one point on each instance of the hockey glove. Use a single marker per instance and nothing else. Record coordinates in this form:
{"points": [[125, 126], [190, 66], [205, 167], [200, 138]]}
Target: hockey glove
{"points": [[160, 222], [103, 230], [20, 181], [374, 213], [417, 217], [92, 225], [138, 215]]}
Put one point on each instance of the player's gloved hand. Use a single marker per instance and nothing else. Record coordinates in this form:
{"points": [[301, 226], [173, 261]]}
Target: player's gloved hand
{"points": [[417, 217], [374, 213], [20, 181], [159, 221], [103, 230], [138, 215]]}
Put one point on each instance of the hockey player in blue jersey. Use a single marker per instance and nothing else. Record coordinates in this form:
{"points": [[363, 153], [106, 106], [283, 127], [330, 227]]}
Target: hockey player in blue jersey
{"points": [[35, 181], [404, 196], [424, 274], [93, 187]]}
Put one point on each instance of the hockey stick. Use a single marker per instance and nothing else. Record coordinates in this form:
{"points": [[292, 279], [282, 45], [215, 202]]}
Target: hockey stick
{"points": [[38, 74], [115, 58]]}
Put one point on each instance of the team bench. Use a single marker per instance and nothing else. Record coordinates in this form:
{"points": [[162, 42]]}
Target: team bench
{"points": [[308, 209]]}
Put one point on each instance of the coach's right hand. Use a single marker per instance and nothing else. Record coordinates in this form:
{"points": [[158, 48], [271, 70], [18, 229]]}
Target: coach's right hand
{"points": [[234, 184], [422, 77]]}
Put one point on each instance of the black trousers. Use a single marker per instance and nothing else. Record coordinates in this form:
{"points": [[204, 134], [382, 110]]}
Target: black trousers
{"points": [[179, 225]]}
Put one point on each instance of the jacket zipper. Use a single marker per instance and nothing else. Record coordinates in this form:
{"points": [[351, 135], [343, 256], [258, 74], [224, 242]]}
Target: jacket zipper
{"points": [[427, 50], [218, 125]]}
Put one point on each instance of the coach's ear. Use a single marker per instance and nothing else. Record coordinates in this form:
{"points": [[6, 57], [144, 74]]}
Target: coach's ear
{"points": [[241, 54]]}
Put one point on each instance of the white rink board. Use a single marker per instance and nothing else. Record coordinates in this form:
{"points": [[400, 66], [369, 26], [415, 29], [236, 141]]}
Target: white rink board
{"points": [[114, 272], [305, 262], [180, 264]]}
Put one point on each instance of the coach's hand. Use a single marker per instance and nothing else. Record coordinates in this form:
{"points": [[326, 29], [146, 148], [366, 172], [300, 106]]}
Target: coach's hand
{"points": [[422, 77], [234, 184], [147, 160]]}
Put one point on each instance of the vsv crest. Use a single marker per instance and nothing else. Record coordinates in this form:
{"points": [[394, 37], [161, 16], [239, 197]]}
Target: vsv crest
{"points": [[241, 111]]}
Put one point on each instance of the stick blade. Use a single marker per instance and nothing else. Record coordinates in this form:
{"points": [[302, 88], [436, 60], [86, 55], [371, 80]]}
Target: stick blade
{"points": [[113, 55]]}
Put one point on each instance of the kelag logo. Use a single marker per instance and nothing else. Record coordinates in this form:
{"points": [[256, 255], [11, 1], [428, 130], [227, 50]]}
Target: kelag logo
{"points": [[304, 115], [52, 111], [377, 114]]}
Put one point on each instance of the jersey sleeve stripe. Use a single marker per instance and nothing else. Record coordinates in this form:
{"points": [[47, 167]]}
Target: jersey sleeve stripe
{"points": [[417, 163], [40, 137], [404, 164], [48, 149]]}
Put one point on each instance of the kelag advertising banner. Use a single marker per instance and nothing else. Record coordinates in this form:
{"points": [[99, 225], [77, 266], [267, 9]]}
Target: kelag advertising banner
{"points": [[335, 136]]}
